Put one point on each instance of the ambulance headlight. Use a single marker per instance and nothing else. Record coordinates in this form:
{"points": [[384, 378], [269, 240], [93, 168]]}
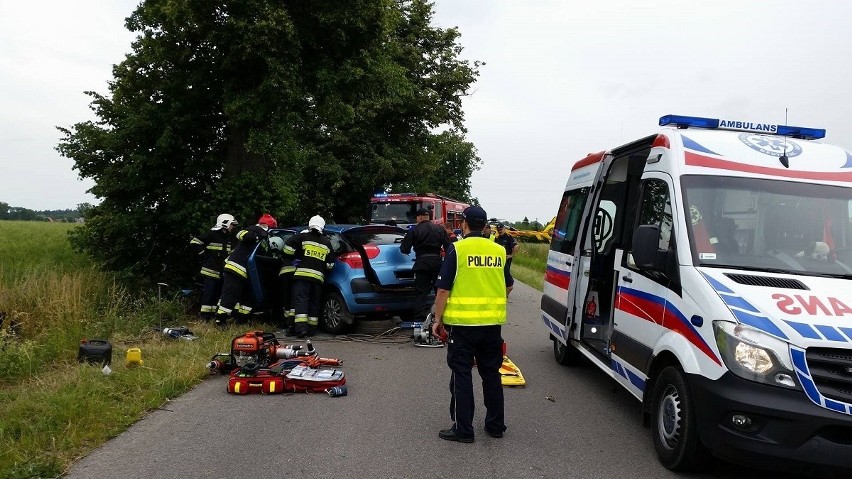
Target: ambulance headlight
{"points": [[754, 355]]}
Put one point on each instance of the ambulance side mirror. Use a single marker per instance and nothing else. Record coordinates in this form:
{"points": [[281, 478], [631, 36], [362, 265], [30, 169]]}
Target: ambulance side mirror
{"points": [[646, 248]]}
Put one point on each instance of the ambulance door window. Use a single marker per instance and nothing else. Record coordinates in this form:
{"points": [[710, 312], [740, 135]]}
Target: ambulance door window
{"points": [[567, 224], [656, 209]]}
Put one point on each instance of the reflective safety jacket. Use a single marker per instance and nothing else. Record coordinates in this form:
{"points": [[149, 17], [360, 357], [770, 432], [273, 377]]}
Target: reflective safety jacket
{"points": [[478, 295], [313, 250], [214, 246], [248, 239]]}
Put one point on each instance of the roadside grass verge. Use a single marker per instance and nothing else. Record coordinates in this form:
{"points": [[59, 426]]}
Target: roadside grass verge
{"points": [[54, 410], [529, 263], [51, 419]]}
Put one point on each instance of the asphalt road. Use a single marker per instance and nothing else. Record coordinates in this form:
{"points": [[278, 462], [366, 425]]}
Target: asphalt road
{"points": [[566, 422]]}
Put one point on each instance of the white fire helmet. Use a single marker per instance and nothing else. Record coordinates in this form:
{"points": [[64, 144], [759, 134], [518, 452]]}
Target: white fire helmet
{"points": [[276, 243], [316, 223], [223, 221]]}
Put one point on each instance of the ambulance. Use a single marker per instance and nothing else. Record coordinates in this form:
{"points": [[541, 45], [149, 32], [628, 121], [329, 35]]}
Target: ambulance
{"points": [[707, 268]]}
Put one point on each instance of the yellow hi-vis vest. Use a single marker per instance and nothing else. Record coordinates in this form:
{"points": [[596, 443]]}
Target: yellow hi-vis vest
{"points": [[478, 296]]}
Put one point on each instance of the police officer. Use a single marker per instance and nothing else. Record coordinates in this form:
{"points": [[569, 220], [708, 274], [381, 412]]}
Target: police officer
{"points": [[314, 255], [215, 245], [471, 302], [235, 288], [506, 240], [427, 239], [488, 233]]}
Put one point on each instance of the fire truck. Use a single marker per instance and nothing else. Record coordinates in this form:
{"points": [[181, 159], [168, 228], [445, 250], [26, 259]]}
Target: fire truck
{"points": [[399, 208]]}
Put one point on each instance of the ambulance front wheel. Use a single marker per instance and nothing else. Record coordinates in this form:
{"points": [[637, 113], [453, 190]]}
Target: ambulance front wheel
{"points": [[564, 354], [673, 424]]}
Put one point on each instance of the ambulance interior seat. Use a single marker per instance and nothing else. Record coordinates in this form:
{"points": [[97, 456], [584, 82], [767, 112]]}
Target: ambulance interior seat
{"points": [[791, 228], [725, 231]]}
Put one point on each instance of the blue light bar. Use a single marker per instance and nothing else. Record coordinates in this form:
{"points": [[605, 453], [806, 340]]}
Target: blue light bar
{"points": [[737, 125], [801, 132], [687, 121]]}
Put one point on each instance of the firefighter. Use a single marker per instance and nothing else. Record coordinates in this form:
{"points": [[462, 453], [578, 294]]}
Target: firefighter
{"points": [[471, 302], [313, 252], [235, 301], [285, 285], [214, 245], [427, 239]]}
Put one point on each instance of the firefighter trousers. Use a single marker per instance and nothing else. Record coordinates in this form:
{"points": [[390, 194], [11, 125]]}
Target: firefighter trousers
{"points": [[211, 290], [236, 298], [307, 295]]}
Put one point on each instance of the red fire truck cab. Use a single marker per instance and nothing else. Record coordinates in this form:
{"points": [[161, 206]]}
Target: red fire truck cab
{"points": [[400, 208]]}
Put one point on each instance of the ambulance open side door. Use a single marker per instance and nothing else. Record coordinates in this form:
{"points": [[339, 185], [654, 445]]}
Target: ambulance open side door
{"points": [[583, 253]]}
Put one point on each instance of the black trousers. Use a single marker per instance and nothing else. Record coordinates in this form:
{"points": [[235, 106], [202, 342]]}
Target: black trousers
{"points": [[485, 344], [235, 291], [282, 303], [424, 284], [307, 295], [212, 289]]}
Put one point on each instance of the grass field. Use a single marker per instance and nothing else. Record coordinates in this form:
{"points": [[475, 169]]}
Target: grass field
{"points": [[529, 263], [53, 409]]}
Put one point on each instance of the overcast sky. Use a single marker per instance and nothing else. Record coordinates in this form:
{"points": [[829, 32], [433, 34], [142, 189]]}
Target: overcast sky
{"points": [[562, 79]]}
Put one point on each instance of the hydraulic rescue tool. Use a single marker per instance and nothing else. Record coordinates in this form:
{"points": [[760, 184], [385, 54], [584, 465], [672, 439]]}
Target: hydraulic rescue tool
{"points": [[423, 336]]}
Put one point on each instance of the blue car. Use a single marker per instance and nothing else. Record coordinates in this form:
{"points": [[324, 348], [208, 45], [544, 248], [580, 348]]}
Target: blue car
{"points": [[370, 278]]}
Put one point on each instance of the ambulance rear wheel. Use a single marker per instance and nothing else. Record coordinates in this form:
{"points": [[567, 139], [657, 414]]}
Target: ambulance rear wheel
{"points": [[564, 354], [673, 424]]}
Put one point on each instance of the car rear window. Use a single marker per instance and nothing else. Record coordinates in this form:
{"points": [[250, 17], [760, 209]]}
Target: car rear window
{"points": [[363, 237]]}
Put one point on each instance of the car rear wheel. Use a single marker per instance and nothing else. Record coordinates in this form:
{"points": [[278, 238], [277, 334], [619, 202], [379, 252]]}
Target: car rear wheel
{"points": [[336, 317]]}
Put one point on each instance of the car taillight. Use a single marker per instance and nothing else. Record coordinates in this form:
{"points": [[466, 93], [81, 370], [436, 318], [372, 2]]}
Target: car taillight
{"points": [[371, 250], [354, 260]]}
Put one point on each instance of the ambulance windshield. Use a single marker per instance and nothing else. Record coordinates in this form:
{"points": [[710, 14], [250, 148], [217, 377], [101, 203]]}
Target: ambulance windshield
{"points": [[769, 225]]}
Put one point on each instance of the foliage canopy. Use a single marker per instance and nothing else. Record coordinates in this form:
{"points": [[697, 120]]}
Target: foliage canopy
{"points": [[293, 108]]}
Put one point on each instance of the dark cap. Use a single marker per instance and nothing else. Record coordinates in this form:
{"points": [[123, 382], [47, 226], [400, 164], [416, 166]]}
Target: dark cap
{"points": [[422, 212], [500, 225], [475, 214]]}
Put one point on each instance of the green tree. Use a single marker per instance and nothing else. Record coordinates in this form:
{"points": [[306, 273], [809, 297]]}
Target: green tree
{"points": [[293, 108]]}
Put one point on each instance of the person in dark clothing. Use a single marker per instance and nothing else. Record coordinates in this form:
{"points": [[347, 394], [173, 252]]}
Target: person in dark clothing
{"points": [[282, 303], [427, 239], [471, 302], [451, 233], [314, 255], [506, 240], [214, 245], [236, 300]]}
